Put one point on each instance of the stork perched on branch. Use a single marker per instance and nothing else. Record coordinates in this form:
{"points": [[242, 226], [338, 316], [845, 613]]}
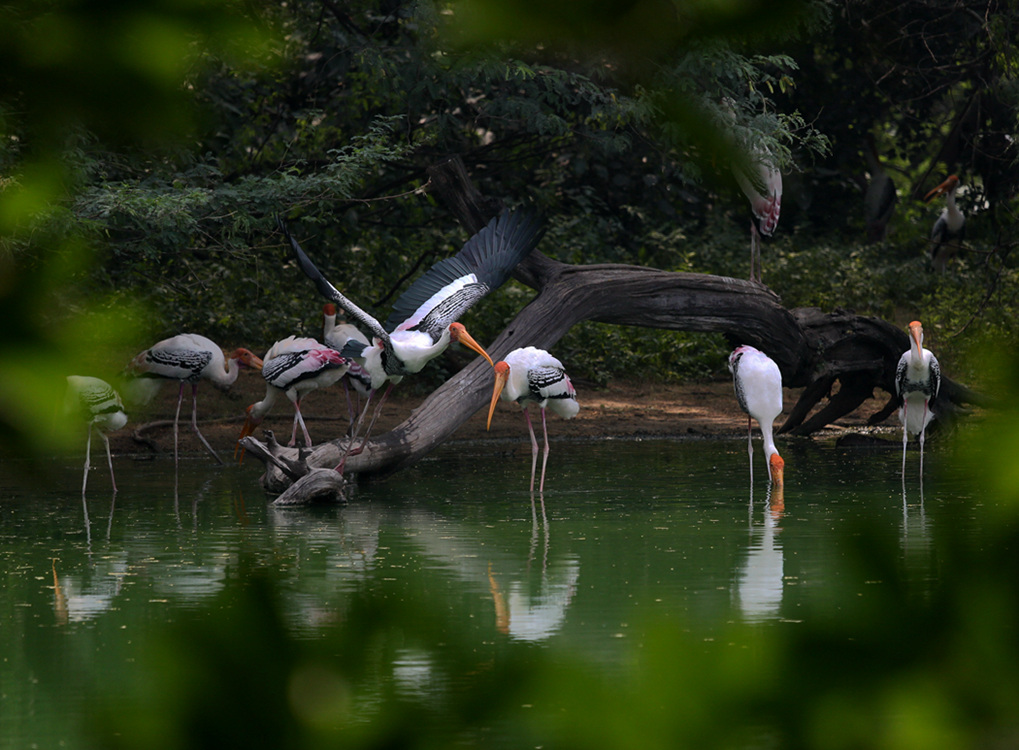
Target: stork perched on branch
{"points": [[423, 321], [950, 228]]}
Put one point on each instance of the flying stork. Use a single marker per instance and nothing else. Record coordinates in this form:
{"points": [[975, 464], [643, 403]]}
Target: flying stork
{"points": [[758, 384], [187, 358], [295, 367], [950, 228], [917, 382], [103, 411], [533, 376], [423, 320]]}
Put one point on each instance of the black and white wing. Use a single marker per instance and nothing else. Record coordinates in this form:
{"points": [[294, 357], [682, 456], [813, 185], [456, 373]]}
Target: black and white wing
{"points": [[450, 287], [327, 290]]}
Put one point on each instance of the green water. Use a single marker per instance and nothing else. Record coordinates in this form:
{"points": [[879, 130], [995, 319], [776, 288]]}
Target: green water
{"points": [[629, 532]]}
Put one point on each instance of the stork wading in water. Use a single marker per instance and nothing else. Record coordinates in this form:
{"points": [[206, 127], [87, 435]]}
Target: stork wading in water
{"points": [[950, 228], [188, 358], [103, 411], [533, 376], [917, 382], [423, 320], [294, 367], [758, 384], [763, 188]]}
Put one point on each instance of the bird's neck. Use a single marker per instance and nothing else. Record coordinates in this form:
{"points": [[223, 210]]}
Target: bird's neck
{"points": [[261, 408], [229, 375]]}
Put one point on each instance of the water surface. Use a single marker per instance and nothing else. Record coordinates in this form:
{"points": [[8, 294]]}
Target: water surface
{"points": [[628, 532]]}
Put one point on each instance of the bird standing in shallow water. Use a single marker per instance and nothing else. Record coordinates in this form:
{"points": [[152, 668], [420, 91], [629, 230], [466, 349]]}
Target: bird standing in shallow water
{"points": [[917, 382], [187, 358], [533, 376], [294, 366], [102, 409], [758, 384]]}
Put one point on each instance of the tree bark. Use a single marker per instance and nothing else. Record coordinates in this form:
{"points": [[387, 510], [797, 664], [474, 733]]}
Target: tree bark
{"points": [[814, 350]]}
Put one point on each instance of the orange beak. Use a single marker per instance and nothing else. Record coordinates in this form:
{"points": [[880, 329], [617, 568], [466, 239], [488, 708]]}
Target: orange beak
{"points": [[916, 333], [458, 333], [941, 189], [777, 469], [248, 428], [502, 372]]}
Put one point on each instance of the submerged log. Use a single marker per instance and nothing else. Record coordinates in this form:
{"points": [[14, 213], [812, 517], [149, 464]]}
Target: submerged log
{"points": [[813, 349]]}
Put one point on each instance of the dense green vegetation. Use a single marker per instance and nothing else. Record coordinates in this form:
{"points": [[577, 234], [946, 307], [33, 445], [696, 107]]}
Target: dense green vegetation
{"points": [[168, 165]]}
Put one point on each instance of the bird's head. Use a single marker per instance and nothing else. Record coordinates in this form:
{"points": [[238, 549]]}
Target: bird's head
{"points": [[776, 470], [246, 358], [459, 334], [502, 372], [916, 334], [252, 421], [948, 186], [329, 310]]}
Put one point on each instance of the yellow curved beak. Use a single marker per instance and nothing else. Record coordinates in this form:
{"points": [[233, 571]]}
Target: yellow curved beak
{"points": [[501, 376], [248, 428], [467, 340]]}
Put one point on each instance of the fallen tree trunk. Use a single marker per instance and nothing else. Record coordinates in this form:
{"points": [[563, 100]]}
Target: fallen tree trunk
{"points": [[814, 350]]}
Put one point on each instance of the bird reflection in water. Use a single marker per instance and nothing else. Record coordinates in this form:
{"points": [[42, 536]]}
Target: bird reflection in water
{"points": [[535, 617], [760, 584]]}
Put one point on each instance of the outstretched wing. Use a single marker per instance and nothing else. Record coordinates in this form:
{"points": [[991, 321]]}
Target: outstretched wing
{"points": [[450, 287], [327, 290]]}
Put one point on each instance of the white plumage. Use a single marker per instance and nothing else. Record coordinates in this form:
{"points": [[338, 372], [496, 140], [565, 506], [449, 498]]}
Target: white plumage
{"points": [[917, 382], [188, 358], [533, 376], [295, 366], [758, 384], [101, 408]]}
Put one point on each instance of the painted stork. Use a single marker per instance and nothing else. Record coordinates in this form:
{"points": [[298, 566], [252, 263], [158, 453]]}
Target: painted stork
{"points": [[917, 382], [103, 411], [188, 358], [422, 322], [533, 376], [295, 367], [758, 384], [763, 188], [880, 199], [950, 228], [337, 335]]}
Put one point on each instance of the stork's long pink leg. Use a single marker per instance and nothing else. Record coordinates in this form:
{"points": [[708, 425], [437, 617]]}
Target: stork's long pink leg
{"points": [[534, 447], [298, 419], [176, 420], [750, 447], [88, 451], [905, 438], [544, 459], [109, 460], [194, 422]]}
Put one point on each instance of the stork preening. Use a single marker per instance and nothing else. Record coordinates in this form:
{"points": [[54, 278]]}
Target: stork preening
{"points": [[758, 384], [533, 376], [295, 367], [100, 406], [950, 228], [188, 358], [423, 320], [762, 186], [917, 382], [880, 199]]}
